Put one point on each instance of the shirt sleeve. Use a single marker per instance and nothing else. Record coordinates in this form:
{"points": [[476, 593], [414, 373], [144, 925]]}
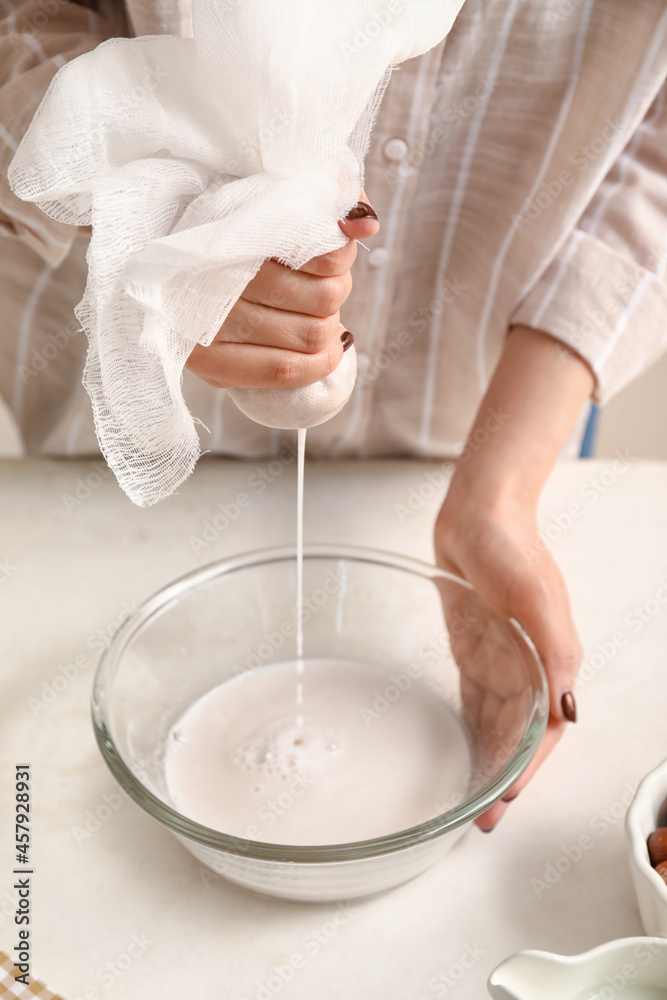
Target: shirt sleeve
{"points": [[605, 293], [37, 37]]}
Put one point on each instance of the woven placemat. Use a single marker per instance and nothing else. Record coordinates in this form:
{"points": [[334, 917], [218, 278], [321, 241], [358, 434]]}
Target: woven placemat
{"points": [[10, 988]]}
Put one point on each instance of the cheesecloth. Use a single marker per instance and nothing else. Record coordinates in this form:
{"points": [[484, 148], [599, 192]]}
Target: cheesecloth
{"points": [[196, 159]]}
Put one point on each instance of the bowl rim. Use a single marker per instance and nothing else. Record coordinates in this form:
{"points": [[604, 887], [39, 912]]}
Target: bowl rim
{"points": [[652, 786], [207, 837]]}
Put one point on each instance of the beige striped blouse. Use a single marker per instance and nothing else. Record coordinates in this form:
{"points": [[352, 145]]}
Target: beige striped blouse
{"points": [[519, 170]]}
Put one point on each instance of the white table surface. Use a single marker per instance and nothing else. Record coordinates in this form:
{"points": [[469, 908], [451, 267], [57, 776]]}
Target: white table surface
{"points": [[67, 573]]}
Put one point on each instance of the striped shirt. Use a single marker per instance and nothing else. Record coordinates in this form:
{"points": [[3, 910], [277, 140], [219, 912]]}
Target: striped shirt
{"points": [[519, 171]]}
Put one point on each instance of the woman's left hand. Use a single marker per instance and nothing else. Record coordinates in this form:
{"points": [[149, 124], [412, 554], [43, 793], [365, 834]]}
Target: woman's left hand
{"points": [[496, 546], [487, 528]]}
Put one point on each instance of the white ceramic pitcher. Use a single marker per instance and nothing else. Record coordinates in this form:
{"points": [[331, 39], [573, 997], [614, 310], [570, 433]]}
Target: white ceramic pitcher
{"points": [[627, 969]]}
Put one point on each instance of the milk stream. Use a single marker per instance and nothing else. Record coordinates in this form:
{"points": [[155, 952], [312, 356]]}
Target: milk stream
{"points": [[301, 456]]}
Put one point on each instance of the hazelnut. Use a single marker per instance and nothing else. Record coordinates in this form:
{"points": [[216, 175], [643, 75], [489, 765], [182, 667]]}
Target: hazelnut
{"points": [[661, 869], [657, 845]]}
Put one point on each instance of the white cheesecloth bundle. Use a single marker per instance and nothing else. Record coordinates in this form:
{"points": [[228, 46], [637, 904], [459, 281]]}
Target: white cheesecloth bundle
{"points": [[195, 160]]}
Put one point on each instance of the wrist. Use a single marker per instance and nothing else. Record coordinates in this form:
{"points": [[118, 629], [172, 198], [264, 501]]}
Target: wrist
{"points": [[478, 495], [528, 412]]}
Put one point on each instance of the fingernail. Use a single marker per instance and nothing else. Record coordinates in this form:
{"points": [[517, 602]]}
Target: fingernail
{"points": [[346, 340], [511, 798], [490, 830], [362, 210], [569, 706]]}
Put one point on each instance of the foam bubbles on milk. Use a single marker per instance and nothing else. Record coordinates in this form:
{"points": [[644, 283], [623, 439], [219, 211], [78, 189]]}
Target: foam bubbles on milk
{"points": [[288, 750]]}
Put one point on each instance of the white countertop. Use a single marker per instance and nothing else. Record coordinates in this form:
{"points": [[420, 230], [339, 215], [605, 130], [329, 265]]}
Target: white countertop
{"points": [[70, 569]]}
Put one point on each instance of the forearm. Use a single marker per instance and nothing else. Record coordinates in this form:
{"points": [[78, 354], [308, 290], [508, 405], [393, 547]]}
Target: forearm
{"points": [[530, 407]]}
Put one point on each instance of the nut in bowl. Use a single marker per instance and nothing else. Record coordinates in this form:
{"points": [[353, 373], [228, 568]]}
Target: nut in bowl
{"points": [[648, 813], [332, 772]]}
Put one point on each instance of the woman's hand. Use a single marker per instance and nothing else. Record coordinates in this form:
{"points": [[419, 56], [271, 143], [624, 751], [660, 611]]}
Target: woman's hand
{"points": [[285, 328], [487, 528]]}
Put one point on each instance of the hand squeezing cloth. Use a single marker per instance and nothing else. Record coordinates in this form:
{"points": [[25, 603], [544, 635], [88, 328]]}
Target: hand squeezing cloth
{"points": [[248, 142]]}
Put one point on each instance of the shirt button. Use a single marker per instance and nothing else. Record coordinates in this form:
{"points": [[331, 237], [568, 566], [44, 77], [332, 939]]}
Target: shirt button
{"points": [[395, 149], [378, 257]]}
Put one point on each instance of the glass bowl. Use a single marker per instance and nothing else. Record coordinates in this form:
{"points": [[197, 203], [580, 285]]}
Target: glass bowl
{"points": [[412, 620]]}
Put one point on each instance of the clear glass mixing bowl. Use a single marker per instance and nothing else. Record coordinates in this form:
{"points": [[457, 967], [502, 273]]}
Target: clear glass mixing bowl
{"points": [[414, 621]]}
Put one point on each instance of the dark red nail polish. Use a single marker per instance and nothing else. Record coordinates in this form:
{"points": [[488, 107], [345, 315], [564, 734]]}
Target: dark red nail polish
{"points": [[346, 340], [569, 706], [490, 830], [362, 210], [511, 798]]}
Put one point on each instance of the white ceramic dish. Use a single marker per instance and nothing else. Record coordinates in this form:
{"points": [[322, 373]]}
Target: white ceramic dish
{"points": [[627, 969], [648, 810]]}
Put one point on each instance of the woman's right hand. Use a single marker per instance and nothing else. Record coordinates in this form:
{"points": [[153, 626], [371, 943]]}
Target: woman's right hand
{"points": [[284, 330]]}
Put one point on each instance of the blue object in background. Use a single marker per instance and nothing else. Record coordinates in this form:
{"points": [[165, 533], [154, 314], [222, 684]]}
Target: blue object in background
{"points": [[589, 440]]}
